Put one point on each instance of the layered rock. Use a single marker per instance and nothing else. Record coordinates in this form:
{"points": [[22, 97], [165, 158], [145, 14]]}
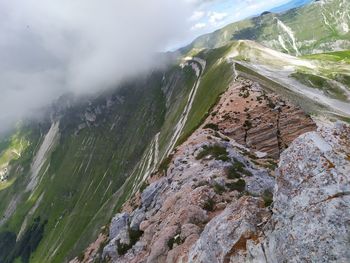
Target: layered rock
{"points": [[262, 121], [212, 203]]}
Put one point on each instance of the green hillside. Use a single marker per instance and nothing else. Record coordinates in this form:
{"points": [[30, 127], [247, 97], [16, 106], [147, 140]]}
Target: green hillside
{"points": [[319, 27]]}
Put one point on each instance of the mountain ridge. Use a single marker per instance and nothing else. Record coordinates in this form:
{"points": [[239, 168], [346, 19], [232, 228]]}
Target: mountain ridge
{"points": [[68, 174]]}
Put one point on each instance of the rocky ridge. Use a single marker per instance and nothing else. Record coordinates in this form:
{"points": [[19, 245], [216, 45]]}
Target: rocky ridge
{"points": [[211, 201]]}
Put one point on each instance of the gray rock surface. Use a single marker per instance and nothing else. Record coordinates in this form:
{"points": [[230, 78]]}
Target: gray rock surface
{"points": [[311, 220], [226, 235]]}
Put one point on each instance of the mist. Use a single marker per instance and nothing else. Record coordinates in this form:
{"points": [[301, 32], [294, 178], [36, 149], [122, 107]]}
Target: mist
{"points": [[48, 48]]}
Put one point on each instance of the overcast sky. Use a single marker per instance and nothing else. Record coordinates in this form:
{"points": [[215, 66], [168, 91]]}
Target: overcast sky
{"points": [[51, 47]]}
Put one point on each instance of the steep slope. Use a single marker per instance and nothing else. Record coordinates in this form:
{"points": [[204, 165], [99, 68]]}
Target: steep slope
{"points": [[71, 173], [177, 159], [315, 83], [92, 154], [318, 27], [212, 200]]}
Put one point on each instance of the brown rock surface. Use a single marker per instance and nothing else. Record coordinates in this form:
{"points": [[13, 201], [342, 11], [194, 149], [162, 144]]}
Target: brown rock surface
{"points": [[261, 121]]}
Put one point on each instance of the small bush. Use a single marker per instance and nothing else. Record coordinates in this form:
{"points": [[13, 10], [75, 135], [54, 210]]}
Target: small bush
{"points": [[238, 186], [268, 198], [209, 205], [134, 236], [232, 173], [174, 240], [165, 163], [144, 185], [247, 124], [212, 126], [216, 151], [218, 189]]}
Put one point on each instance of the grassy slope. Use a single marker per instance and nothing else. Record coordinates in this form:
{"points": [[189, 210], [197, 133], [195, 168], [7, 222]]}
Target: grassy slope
{"points": [[339, 56], [316, 36], [215, 80], [83, 182]]}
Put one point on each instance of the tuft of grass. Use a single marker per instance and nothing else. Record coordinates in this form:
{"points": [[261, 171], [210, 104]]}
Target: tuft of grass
{"points": [[218, 189], [238, 185], [174, 240], [164, 165], [209, 204], [144, 185], [215, 151], [212, 126], [268, 198], [134, 236]]}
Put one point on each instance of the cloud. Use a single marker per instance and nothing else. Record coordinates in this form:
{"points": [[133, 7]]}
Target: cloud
{"points": [[197, 15], [216, 17], [48, 48], [199, 26]]}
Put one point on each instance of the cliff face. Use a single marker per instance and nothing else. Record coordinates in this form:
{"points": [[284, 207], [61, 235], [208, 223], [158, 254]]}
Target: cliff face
{"points": [[310, 221], [212, 200]]}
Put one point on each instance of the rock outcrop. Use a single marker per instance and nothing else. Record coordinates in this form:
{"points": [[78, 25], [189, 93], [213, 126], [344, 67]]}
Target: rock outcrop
{"points": [[261, 121], [311, 217], [213, 201]]}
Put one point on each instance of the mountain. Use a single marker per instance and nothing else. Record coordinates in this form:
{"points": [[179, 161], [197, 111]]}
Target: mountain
{"points": [[234, 152], [327, 29], [290, 5]]}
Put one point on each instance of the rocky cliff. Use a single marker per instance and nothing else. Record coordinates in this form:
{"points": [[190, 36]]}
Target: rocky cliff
{"points": [[219, 198]]}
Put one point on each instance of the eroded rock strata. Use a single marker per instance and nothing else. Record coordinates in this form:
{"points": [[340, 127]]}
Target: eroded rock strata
{"points": [[220, 198]]}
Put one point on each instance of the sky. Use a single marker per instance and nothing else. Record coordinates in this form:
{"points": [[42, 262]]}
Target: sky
{"points": [[48, 48]]}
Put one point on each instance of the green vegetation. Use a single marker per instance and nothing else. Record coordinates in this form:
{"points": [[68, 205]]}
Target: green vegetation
{"points": [[209, 204], [236, 170], [339, 56], [268, 198], [214, 151], [320, 83], [134, 236], [174, 240], [239, 185], [218, 189], [12, 250], [267, 29], [165, 163], [211, 126], [215, 80]]}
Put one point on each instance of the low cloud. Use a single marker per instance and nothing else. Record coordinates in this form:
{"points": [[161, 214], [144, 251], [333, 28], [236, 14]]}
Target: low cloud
{"points": [[48, 48]]}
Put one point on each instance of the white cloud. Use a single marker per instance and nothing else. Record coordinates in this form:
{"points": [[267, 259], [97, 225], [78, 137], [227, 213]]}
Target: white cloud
{"points": [[199, 26], [215, 17], [197, 15], [51, 47]]}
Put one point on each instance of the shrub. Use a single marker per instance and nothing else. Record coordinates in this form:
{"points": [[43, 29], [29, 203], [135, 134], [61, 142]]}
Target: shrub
{"points": [[165, 163], [232, 173], [218, 152], [144, 185], [209, 204], [268, 198], [134, 236], [218, 189], [212, 126], [174, 240], [238, 186]]}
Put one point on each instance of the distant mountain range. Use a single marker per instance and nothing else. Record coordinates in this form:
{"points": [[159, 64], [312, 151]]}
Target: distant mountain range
{"points": [[290, 5]]}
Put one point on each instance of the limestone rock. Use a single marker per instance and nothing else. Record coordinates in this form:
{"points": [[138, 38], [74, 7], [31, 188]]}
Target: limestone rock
{"points": [[311, 220], [226, 235]]}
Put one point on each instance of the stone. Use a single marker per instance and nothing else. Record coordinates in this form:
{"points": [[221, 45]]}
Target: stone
{"points": [[311, 220], [226, 234]]}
